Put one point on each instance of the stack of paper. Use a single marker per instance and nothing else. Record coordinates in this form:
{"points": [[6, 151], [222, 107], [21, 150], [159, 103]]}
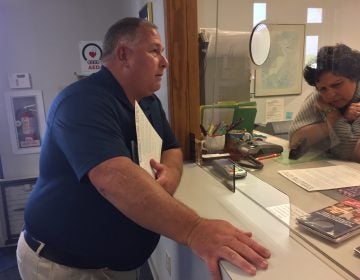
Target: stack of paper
{"points": [[149, 142], [323, 178]]}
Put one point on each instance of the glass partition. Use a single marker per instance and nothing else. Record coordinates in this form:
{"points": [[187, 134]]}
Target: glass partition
{"points": [[233, 21], [231, 75]]}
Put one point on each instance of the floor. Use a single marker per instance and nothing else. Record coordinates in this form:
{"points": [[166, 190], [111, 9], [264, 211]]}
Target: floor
{"points": [[8, 266], [9, 271]]}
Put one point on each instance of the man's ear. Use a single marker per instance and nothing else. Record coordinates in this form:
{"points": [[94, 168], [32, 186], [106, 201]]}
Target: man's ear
{"points": [[122, 54]]}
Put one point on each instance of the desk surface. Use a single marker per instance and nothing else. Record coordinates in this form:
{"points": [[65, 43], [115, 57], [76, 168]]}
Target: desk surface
{"points": [[206, 195], [339, 254]]}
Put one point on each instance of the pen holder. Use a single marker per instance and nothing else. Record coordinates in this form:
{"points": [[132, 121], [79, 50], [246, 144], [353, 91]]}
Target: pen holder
{"points": [[214, 143], [235, 138]]}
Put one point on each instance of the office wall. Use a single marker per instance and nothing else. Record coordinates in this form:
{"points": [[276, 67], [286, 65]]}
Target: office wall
{"points": [[340, 20], [41, 37]]}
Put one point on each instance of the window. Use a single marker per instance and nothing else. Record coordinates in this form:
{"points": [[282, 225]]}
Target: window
{"points": [[314, 15], [311, 48], [259, 13]]}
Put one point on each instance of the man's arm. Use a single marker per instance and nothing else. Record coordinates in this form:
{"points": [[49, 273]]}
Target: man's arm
{"points": [[168, 172], [138, 196]]}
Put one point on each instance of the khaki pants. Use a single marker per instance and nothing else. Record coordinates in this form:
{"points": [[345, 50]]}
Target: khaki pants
{"points": [[33, 267]]}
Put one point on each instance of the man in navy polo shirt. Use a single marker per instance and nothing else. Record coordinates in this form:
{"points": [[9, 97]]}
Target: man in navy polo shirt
{"points": [[94, 213]]}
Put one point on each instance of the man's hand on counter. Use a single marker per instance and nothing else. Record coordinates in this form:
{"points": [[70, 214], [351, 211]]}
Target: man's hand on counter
{"points": [[215, 240]]}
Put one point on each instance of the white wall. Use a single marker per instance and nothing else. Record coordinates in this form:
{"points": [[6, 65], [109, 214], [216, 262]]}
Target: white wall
{"points": [[340, 22], [41, 37]]}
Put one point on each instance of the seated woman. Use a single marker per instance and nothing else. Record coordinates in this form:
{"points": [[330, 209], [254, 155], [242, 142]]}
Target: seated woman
{"points": [[329, 117]]}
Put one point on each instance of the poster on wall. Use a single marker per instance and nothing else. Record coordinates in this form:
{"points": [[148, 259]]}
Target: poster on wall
{"points": [[90, 56], [26, 117], [274, 109], [281, 74]]}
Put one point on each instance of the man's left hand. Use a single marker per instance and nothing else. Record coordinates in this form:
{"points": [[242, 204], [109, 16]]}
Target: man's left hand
{"points": [[165, 176]]}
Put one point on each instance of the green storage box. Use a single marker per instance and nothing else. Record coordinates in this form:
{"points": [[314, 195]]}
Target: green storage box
{"points": [[229, 113]]}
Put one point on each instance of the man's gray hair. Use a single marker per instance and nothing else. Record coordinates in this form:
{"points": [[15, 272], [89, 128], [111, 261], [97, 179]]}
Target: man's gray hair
{"points": [[124, 29]]}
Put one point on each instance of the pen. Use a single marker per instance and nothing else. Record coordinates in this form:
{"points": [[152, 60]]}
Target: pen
{"points": [[210, 130], [233, 125], [216, 128], [268, 156], [221, 129], [203, 130]]}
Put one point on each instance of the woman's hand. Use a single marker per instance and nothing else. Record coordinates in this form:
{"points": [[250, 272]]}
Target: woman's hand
{"points": [[352, 112], [332, 113]]}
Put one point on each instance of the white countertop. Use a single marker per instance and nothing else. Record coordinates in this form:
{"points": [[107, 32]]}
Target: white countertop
{"points": [[290, 258]]}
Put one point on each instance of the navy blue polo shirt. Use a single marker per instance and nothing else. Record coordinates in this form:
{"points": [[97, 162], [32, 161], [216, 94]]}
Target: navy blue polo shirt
{"points": [[89, 122]]}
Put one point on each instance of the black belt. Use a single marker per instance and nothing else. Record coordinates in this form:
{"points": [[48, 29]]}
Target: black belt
{"points": [[60, 257]]}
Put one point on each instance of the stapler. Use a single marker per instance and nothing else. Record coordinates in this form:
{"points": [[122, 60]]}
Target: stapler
{"points": [[298, 149], [260, 148]]}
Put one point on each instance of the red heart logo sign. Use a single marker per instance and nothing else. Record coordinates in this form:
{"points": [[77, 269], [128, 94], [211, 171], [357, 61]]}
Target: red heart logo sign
{"points": [[92, 54]]}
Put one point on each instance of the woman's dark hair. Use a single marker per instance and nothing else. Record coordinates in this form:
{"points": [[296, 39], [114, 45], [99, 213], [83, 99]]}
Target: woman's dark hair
{"points": [[339, 59]]}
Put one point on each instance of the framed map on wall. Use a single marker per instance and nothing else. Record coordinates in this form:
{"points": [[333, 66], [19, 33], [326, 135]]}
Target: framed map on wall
{"points": [[281, 74]]}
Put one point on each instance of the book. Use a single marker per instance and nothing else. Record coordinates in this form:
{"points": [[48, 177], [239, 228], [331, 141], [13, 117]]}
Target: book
{"points": [[350, 191], [336, 222]]}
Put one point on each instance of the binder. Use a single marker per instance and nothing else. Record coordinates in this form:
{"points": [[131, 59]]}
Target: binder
{"points": [[229, 112]]}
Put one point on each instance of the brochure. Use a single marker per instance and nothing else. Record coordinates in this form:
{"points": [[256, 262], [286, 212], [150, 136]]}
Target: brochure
{"points": [[336, 223]]}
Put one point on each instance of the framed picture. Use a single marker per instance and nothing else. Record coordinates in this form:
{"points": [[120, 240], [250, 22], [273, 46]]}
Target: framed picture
{"points": [[146, 12], [25, 110], [281, 74], [14, 194]]}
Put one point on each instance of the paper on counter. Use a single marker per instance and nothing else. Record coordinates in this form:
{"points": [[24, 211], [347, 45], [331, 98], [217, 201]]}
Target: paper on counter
{"points": [[286, 213], [149, 143], [323, 178]]}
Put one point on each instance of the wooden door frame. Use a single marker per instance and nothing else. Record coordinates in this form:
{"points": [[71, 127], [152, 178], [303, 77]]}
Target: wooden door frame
{"points": [[184, 84]]}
